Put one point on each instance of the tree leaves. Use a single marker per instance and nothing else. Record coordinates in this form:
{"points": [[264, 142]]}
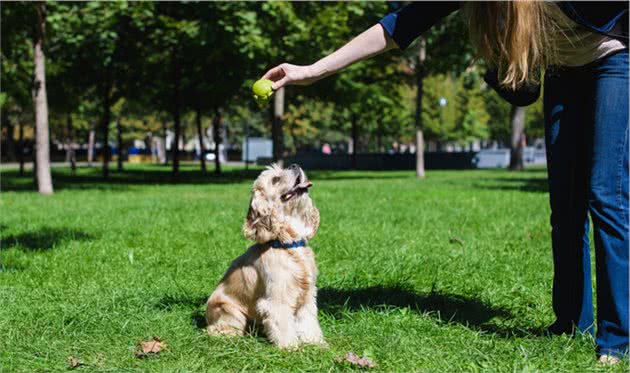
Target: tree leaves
{"points": [[355, 360], [144, 349], [151, 347]]}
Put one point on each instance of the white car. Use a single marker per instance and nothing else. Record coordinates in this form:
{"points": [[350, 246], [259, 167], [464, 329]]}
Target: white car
{"points": [[492, 158], [500, 158]]}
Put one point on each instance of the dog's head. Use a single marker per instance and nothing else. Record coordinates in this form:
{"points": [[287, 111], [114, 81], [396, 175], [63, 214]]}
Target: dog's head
{"points": [[280, 208]]}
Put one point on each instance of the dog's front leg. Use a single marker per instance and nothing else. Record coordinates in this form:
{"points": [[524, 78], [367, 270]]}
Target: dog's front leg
{"points": [[278, 321], [307, 324]]}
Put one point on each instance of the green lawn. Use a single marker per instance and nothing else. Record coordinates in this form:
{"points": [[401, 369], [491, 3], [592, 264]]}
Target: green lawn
{"points": [[452, 273]]}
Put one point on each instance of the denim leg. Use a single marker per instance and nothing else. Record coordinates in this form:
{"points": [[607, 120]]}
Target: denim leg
{"points": [[607, 152], [568, 184]]}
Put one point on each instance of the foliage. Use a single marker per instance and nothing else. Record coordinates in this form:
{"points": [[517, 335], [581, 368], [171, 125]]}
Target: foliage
{"points": [[16, 54], [99, 53]]}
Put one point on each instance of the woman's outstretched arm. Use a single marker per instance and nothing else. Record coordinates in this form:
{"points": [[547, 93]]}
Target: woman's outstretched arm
{"points": [[371, 42]]}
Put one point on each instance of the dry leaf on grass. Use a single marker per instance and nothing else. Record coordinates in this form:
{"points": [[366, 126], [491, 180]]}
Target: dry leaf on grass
{"points": [[355, 359], [73, 362], [154, 346]]}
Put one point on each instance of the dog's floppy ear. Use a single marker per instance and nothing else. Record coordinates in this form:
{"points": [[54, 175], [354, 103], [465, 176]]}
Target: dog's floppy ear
{"points": [[311, 219], [262, 224]]}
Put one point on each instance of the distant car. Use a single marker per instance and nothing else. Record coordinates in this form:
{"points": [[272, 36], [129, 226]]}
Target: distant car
{"points": [[492, 158], [500, 158], [210, 156]]}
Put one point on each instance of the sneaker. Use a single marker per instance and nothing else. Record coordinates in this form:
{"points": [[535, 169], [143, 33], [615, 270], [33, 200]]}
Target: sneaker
{"points": [[608, 360]]}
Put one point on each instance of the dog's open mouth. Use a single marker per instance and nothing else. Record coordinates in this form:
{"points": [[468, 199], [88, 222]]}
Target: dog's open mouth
{"points": [[300, 187]]}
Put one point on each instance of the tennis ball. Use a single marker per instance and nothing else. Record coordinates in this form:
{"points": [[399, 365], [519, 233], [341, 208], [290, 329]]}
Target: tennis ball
{"points": [[262, 91]]}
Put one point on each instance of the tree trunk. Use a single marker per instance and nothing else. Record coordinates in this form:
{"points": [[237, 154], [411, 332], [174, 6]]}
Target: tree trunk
{"points": [[34, 156], [164, 158], [295, 140], [44, 179], [153, 147], [379, 137], [70, 153], [105, 128], [276, 127], [202, 156], [119, 144], [66, 144], [517, 121], [246, 150], [90, 150], [21, 148], [216, 136], [419, 125], [11, 156], [176, 116], [355, 140]]}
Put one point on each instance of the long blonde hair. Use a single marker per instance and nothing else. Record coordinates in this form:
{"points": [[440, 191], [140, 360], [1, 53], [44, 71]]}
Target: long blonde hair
{"points": [[513, 37]]}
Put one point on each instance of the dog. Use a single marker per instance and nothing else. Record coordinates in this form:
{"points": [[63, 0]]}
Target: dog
{"points": [[273, 283]]}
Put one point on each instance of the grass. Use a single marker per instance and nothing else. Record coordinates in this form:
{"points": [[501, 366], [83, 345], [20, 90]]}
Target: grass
{"points": [[452, 273]]}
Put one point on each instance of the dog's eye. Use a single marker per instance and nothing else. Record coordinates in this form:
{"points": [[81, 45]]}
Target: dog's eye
{"points": [[275, 180]]}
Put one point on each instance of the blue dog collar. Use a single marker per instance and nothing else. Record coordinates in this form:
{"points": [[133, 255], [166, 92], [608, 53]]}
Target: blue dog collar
{"points": [[288, 245]]}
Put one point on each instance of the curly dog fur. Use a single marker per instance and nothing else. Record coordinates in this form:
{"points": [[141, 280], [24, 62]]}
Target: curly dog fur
{"points": [[274, 287]]}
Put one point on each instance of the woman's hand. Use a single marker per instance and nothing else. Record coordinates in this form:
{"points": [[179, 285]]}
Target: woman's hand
{"points": [[286, 74]]}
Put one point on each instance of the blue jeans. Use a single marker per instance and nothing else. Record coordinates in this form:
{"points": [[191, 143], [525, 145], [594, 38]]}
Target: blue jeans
{"points": [[586, 130]]}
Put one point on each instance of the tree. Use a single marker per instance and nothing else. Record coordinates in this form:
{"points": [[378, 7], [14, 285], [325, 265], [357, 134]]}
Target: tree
{"points": [[200, 137], [437, 45], [276, 127], [17, 73], [420, 72], [40, 103], [472, 118], [517, 121], [103, 42]]}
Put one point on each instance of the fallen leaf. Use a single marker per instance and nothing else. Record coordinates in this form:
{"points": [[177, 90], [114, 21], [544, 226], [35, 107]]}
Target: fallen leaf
{"points": [[355, 359], [73, 362], [154, 346]]}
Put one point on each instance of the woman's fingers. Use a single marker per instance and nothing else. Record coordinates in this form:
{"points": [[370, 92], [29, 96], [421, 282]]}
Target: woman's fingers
{"points": [[280, 83], [275, 73], [284, 74]]}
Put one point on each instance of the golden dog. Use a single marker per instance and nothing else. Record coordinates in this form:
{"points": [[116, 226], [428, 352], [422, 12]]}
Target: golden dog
{"points": [[273, 283]]}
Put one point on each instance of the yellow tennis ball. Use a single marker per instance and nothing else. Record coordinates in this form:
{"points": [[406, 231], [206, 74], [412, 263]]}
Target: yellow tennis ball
{"points": [[262, 90]]}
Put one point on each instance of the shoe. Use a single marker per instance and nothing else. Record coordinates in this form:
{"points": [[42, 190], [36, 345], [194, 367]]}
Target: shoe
{"points": [[608, 360], [557, 329]]}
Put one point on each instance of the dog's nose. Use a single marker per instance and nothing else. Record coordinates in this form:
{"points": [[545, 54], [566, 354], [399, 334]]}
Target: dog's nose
{"points": [[294, 167]]}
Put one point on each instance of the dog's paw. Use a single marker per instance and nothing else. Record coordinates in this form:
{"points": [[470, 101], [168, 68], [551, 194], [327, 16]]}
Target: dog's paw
{"points": [[288, 345], [217, 330], [321, 343]]}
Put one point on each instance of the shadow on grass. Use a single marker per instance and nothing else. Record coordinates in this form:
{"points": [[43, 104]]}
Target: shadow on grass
{"points": [[523, 184], [170, 303], [43, 239], [91, 178], [470, 312], [358, 175], [448, 307], [451, 308]]}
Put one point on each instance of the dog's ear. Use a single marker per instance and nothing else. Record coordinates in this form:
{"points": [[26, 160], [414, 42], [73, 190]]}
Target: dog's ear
{"points": [[311, 219], [262, 224]]}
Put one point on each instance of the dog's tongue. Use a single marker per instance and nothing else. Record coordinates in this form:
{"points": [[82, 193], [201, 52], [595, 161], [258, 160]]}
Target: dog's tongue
{"points": [[298, 189], [303, 185]]}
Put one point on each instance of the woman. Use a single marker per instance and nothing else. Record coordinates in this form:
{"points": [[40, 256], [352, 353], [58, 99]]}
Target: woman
{"points": [[583, 49]]}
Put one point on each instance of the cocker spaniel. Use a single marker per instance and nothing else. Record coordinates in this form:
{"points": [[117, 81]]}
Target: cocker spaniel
{"points": [[273, 283]]}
